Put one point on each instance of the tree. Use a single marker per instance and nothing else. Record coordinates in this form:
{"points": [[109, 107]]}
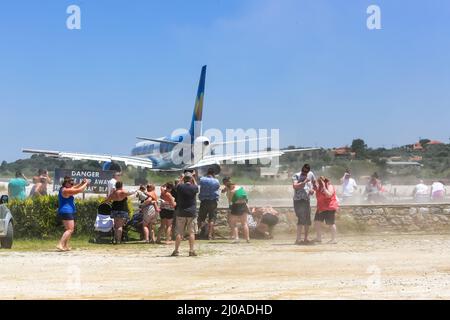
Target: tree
{"points": [[423, 142], [359, 147]]}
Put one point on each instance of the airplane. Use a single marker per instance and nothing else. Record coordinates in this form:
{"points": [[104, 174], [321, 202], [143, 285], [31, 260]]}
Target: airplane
{"points": [[163, 154]]}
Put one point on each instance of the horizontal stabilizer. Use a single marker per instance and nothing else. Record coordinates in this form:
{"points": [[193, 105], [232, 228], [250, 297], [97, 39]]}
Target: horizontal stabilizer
{"points": [[158, 140]]}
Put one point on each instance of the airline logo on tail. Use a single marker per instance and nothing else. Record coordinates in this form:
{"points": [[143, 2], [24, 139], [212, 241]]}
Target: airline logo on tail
{"points": [[196, 124]]}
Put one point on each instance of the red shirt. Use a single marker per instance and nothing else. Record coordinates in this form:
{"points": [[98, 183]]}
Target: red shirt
{"points": [[324, 203]]}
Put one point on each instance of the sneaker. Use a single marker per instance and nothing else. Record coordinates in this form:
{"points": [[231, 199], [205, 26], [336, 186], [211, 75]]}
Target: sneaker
{"points": [[192, 254], [317, 241], [175, 254], [235, 241], [309, 243]]}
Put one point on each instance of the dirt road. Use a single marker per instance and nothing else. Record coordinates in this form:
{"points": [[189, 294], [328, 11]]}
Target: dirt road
{"points": [[358, 267]]}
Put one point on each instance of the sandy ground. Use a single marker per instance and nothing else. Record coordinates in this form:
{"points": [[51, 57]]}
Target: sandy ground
{"points": [[358, 267]]}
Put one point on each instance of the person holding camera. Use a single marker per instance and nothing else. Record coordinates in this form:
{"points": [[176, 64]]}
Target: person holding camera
{"points": [[67, 209], [303, 185], [186, 216]]}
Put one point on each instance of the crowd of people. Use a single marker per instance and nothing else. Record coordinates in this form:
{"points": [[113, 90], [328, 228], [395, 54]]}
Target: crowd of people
{"points": [[176, 206], [424, 193], [17, 186], [375, 192], [180, 218]]}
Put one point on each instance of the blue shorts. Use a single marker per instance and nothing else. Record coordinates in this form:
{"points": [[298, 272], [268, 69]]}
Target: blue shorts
{"points": [[120, 215], [66, 216]]}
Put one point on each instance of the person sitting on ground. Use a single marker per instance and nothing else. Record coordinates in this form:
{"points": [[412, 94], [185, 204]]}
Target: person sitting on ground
{"points": [[119, 209], [67, 209], [168, 205], [438, 191], [239, 210], [421, 192], [17, 187], [327, 205], [267, 218]]}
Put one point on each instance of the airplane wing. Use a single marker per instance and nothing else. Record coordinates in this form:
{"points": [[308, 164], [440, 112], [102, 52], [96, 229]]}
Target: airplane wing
{"points": [[217, 159], [129, 161]]}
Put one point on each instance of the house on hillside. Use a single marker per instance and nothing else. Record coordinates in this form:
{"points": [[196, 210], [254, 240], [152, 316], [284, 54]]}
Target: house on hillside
{"points": [[344, 153], [434, 142], [417, 147]]}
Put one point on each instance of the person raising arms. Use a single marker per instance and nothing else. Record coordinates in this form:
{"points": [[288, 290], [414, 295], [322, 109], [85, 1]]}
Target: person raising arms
{"points": [[120, 211], [167, 212], [327, 205], [239, 209], [67, 209]]}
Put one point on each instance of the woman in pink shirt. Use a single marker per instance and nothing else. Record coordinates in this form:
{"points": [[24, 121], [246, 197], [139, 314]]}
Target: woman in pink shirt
{"points": [[327, 205]]}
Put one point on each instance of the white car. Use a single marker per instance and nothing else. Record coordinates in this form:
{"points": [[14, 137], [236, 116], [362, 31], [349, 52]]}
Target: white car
{"points": [[6, 224]]}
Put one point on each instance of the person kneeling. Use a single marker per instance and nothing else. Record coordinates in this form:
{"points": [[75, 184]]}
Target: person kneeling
{"points": [[266, 219]]}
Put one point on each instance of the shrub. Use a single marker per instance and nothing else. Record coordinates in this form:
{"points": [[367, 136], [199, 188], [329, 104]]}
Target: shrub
{"points": [[37, 217]]}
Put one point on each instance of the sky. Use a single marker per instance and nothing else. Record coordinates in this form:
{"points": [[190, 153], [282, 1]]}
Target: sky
{"points": [[310, 68]]}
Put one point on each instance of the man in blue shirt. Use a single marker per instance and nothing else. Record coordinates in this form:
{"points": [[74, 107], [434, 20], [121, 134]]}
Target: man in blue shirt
{"points": [[16, 187], [209, 197]]}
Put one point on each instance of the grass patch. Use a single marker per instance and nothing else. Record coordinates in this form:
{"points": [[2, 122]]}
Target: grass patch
{"points": [[50, 244]]}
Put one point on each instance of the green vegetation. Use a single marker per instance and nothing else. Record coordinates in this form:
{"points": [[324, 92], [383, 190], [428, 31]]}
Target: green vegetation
{"points": [[37, 217], [78, 242]]}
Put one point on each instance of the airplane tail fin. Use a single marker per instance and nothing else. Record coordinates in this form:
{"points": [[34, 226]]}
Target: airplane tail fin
{"points": [[196, 124]]}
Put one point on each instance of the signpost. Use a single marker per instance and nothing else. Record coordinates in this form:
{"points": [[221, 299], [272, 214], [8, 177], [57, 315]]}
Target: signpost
{"points": [[98, 179]]}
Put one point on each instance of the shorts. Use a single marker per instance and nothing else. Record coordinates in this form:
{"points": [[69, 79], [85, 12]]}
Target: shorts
{"points": [[185, 223], [167, 214], [270, 219], [239, 209], [208, 208], [302, 210], [328, 216], [66, 216], [120, 215]]}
